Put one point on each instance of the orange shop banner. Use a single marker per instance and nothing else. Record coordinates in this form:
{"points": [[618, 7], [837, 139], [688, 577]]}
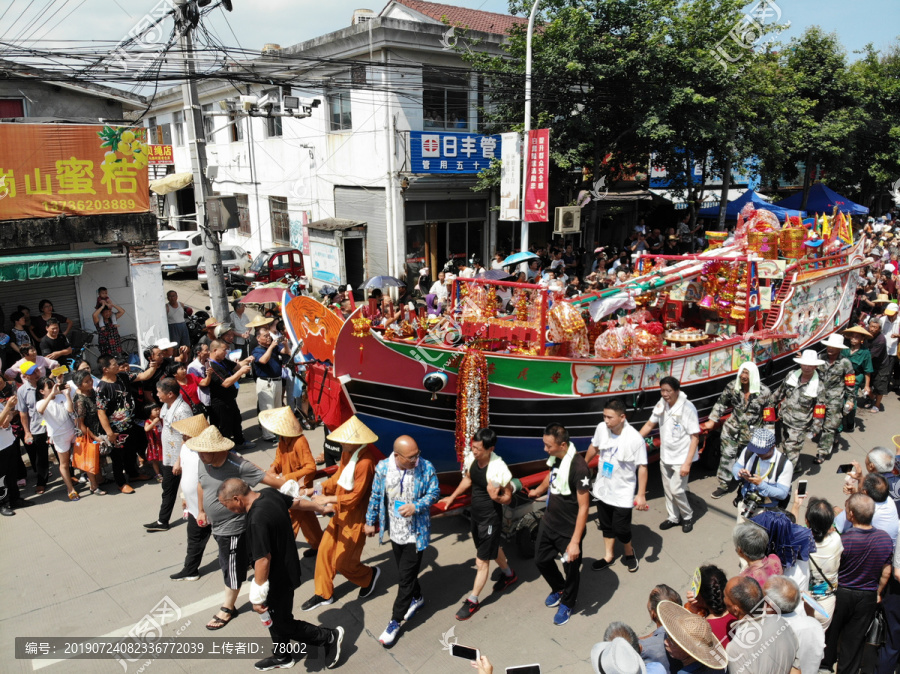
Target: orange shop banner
{"points": [[76, 169], [161, 155]]}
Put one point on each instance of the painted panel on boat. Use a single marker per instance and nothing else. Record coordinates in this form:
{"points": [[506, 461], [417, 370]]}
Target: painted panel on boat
{"points": [[653, 372], [591, 379], [696, 367]]}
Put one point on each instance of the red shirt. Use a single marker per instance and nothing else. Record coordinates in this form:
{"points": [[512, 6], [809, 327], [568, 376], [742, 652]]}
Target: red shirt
{"points": [[721, 626], [189, 390]]}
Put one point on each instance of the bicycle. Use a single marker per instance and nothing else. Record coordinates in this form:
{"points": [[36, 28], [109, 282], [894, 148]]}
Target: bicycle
{"points": [[86, 352]]}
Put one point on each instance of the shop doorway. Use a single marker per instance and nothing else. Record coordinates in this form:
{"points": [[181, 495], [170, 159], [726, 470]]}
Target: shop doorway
{"points": [[354, 262]]}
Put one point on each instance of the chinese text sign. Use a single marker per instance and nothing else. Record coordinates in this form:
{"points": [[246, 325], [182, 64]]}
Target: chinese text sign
{"points": [[451, 152], [537, 186]]}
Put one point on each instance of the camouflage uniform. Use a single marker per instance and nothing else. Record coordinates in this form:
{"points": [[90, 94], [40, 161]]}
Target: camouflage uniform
{"points": [[861, 360], [833, 392], [746, 416], [796, 414]]}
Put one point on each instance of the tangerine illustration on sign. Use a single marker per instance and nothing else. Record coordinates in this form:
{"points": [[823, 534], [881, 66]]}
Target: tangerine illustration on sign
{"points": [[48, 170]]}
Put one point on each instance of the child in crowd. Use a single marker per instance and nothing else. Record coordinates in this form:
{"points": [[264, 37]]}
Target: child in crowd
{"points": [[153, 428]]}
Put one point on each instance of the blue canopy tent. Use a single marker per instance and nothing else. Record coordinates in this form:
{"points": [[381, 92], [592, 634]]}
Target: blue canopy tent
{"points": [[823, 199], [734, 207]]}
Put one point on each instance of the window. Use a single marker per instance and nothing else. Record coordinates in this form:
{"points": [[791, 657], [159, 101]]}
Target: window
{"points": [[273, 127], [281, 224], [445, 100], [178, 127], [164, 134], [12, 107], [243, 209], [282, 261], [152, 131], [209, 123], [236, 124], [339, 111]]}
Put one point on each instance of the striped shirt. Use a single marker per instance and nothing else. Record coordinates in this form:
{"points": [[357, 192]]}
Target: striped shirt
{"points": [[866, 551]]}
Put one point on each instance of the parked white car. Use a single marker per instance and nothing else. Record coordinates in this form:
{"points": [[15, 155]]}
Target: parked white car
{"points": [[180, 251], [234, 259]]}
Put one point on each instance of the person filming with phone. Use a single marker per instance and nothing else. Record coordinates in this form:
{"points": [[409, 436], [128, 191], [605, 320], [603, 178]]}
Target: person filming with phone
{"points": [[764, 474]]}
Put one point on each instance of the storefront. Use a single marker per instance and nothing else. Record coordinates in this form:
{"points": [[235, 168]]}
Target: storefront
{"points": [[445, 231]]}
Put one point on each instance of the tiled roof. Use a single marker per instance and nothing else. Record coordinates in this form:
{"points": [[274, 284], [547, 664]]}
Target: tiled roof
{"points": [[473, 19]]}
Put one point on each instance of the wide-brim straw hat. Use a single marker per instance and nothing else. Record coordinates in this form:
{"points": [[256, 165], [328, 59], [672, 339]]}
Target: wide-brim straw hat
{"points": [[260, 321], [835, 341], [211, 322], [693, 633], [192, 426], [281, 421], [809, 357], [210, 440], [896, 440], [857, 330], [353, 432], [882, 298]]}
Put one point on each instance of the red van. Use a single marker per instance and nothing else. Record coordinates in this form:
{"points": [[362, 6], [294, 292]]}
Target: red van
{"points": [[274, 263]]}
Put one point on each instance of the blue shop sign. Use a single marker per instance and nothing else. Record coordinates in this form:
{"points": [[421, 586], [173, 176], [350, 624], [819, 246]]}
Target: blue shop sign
{"points": [[451, 151]]}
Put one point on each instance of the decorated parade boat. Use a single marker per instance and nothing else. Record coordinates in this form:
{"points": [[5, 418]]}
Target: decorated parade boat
{"points": [[557, 359]]}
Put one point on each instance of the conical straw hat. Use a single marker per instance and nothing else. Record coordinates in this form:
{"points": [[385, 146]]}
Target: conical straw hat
{"points": [[210, 440], [281, 421], [856, 330], [192, 426], [259, 321], [353, 432], [693, 634]]}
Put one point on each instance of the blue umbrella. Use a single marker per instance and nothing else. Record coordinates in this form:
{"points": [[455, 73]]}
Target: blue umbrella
{"points": [[383, 282], [494, 275], [516, 258]]}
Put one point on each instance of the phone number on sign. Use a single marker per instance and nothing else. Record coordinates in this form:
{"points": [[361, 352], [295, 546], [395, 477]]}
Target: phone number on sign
{"points": [[90, 205]]}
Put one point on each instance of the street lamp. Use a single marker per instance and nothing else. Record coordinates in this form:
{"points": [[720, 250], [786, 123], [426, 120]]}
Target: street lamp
{"points": [[524, 231]]}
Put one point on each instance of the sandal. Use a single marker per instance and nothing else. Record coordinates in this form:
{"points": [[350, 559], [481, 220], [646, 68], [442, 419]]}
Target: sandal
{"points": [[39, 490], [98, 492], [218, 623], [73, 496]]}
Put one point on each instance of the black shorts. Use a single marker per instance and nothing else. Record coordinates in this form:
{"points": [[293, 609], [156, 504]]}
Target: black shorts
{"points": [[487, 540], [614, 521], [233, 559], [881, 380]]}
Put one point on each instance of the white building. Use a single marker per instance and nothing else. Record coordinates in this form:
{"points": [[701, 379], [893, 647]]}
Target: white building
{"points": [[346, 170]]}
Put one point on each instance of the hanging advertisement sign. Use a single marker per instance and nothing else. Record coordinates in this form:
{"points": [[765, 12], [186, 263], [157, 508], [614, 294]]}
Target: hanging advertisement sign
{"points": [[161, 155], [537, 186], [76, 169], [451, 151], [510, 178]]}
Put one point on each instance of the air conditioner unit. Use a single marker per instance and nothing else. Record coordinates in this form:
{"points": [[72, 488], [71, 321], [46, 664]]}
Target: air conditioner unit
{"points": [[567, 220]]}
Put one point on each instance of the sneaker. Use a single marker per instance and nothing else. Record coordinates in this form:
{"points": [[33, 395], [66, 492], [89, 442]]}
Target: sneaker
{"points": [[336, 645], [467, 610], [668, 524], [21, 483], [552, 599], [505, 581], [414, 606], [248, 445], [156, 526], [600, 564], [185, 575], [631, 563], [687, 526], [562, 615], [719, 492], [274, 662], [370, 588], [390, 633], [315, 602]]}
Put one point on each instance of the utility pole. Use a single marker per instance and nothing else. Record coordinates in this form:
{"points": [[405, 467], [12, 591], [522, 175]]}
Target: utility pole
{"points": [[525, 147], [212, 254]]}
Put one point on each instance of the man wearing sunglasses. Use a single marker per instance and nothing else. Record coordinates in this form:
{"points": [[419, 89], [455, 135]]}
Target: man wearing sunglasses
{"points": [[403, 491]]}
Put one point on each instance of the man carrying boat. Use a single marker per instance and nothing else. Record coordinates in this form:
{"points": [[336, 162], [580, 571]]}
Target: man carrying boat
{"points": [[747, 397], [838, 382], [491, 483], [799, 395]]}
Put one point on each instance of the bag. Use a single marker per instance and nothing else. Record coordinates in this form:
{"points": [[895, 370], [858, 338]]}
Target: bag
{"points": [[86, 455], [877, 629], [527, 533]]}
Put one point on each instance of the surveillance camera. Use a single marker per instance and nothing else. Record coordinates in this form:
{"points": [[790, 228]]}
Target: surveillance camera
{"points": [[248, 102], [266, 102], [289, 103]]}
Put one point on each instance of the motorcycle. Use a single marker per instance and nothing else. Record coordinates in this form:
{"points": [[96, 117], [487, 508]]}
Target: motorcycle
{"points": [[196, 324]]}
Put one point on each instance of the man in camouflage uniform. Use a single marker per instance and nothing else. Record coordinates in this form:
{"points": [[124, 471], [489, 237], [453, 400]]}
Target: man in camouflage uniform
{"points": [[798, 395], [747, 397], [832, 379]]}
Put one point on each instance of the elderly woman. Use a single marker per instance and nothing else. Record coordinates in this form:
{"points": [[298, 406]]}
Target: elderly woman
{"points": [[750, 544], [826, 560]]}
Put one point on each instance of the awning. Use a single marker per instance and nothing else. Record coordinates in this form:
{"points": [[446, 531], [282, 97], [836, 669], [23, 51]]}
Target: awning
{"points": [[49, 264], [171, 183], [334, 224]]}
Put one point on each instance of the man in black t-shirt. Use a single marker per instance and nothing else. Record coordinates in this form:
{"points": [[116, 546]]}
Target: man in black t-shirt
{"points": [[224, 381], [491, 483], [562, 528], [54, 345], [276, 570]]}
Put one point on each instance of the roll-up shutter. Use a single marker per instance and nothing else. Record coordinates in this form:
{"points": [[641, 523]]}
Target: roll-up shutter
{"points": [[366, 204], [61, 291]]}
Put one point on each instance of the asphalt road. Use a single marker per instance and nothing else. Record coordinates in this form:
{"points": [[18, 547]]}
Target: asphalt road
{"points": [[89, 569]]}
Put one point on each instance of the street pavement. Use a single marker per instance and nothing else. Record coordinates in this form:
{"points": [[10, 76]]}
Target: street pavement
{"points": [[89, 569]]}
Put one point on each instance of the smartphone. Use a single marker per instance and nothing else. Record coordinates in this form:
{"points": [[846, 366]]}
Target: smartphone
{"points": [[845, 468], [801, 488], [464, 652], [524, 669]]}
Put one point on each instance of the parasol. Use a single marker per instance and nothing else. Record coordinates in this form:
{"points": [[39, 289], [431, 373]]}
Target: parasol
{"points": [[267, 295], [383, 282], [516, 258]]}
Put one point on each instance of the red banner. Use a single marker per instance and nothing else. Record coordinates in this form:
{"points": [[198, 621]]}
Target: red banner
{"points": [[538, 181], [161, 155]]}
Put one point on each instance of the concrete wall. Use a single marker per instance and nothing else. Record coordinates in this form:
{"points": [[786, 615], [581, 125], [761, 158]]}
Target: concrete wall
{"points": [[49, 100], [114, 275]]}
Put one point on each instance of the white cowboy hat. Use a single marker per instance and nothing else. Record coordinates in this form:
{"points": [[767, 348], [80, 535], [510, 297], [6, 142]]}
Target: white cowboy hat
{"points": [[809, 357], [165, 343], [616, 657], [835, 341]]}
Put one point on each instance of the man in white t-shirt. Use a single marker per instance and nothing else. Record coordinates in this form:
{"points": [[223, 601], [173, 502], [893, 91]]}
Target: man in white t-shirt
{"points": [[197, 533], [621, 466], [679, 433]]}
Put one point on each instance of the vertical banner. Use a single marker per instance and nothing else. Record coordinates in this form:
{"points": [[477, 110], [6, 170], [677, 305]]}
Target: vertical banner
{"points": [[537, 185], [510, 177]]}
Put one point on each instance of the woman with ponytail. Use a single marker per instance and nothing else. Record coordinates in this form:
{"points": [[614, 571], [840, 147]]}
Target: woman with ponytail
{"points": [[709, 602]]}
